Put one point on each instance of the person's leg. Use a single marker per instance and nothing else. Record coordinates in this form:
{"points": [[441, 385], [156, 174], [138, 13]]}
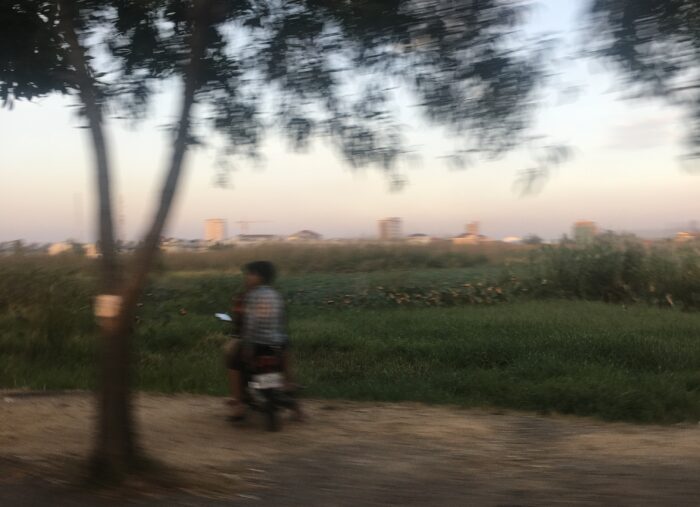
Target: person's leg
{"points": [[235, 384], [287, 367], [291, 385], [235, 380]]}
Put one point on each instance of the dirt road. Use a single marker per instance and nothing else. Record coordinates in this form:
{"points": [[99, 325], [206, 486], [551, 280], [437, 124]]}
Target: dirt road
{"points": [[354, 454]]}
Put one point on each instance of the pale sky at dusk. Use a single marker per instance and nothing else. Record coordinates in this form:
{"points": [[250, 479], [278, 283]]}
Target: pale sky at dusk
{"points": [[625, 174]]}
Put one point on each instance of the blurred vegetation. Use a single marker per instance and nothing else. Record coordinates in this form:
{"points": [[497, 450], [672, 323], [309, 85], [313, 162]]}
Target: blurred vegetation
{"points": [[620, 269], [612, 268], [655, 46], [360, 258], [487, 328], [44, 304]]}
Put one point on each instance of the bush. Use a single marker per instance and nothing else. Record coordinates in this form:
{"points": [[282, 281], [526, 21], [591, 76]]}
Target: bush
{"points": [[352, 258], [618, 269], [44, 306]]}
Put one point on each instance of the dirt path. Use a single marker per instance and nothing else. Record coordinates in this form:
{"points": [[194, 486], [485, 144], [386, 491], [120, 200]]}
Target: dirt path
{"points": [[352, 454]]}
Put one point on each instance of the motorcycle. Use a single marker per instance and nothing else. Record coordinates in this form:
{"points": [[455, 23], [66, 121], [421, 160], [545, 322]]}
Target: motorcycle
{"points": [[263, 377]]}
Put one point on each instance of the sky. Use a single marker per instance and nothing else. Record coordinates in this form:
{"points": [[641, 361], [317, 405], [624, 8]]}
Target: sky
{"points": [[625, 172]]}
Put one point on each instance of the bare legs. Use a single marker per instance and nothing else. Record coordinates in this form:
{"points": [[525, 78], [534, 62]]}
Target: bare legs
{"points": [[236, 387], [290, 382]]}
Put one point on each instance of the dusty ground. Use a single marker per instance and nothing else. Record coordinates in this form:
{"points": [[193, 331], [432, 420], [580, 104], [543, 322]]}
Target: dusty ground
{"points": [[352, 454]]}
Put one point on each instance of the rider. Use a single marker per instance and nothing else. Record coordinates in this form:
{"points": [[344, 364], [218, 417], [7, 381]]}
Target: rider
{"points": [[259, 315]]}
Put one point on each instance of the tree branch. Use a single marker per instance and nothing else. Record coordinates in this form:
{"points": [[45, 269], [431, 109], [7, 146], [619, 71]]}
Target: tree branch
{"points": [[147, 252]]}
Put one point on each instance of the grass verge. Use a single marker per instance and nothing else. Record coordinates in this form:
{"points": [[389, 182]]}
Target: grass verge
{"points": [[636, 364]]}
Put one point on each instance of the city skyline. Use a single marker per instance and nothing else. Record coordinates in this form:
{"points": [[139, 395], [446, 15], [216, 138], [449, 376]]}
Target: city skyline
{"points": [[216, 230]]}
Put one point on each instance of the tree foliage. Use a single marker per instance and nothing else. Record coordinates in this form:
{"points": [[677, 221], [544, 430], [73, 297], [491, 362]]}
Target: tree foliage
{"points": [[306, 68], [30, 65], [656, 44]]}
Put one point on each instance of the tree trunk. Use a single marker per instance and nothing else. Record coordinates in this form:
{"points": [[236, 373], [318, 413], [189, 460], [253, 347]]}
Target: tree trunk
{"points": [[115, 437], [116, 452]]}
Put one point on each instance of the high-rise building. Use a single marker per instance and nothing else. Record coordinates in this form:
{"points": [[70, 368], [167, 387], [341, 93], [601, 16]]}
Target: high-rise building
{"points": [[390, 229], [471, 237], [584, 231], [214, 230]]}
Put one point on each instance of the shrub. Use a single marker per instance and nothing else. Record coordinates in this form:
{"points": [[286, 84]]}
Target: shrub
{"points": [[44, 305], [618, 269]]}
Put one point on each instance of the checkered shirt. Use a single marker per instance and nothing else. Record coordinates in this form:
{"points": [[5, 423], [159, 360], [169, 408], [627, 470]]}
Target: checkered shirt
{"points": [[264, 321]]}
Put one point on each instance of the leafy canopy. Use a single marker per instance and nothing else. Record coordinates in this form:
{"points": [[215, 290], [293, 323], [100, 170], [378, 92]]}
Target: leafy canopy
{"points": [[339, 69], [656, 44]]}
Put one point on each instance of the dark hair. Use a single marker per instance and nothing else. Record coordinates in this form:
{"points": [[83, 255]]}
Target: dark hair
{"points": [[264, 269]]}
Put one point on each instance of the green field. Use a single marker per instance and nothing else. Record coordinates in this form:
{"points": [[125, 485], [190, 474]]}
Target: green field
{"points": [[438, 336]]}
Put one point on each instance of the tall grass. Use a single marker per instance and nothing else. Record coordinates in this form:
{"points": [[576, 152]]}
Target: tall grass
{"points": [[640, 364], [618, 269], [349, 258], [40, 308], [637, 364], [295, 258]]}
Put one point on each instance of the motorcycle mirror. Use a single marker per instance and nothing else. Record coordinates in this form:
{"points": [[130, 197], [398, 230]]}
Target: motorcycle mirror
{"points": [[223, 316]]}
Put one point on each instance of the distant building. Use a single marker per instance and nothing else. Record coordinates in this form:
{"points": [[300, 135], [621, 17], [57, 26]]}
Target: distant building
{"points": [[471, 237], [60, 247], [256, 238], [419, 239], [91, 251], [174, 245], [390, 229], [214, 230], [305, 236], [685, 237], [512, 240], [468, 239], [584, 231]]}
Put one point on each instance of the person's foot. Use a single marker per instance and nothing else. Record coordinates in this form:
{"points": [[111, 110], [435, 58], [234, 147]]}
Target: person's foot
{"points": [[239, 410], [298, 414]]}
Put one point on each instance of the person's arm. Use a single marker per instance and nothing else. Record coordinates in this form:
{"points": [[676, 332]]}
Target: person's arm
{"points": [[237, 314]]}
